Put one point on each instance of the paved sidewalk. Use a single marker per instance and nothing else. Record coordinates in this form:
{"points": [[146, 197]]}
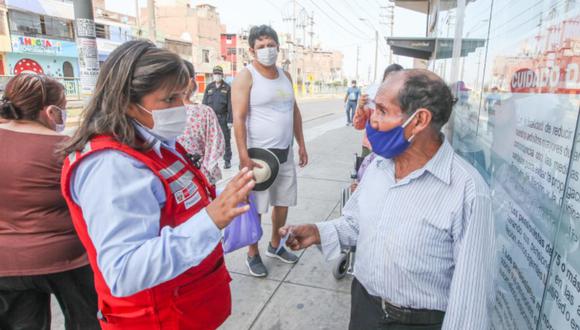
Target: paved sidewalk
{"points": [[304, 295]]}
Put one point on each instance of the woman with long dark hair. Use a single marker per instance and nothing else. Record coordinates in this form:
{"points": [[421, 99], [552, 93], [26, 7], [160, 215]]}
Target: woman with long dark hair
{"points": [[149, 219]]}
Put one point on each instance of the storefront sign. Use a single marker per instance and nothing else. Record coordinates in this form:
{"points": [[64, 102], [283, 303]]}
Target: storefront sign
{"points": [[42, 46]]}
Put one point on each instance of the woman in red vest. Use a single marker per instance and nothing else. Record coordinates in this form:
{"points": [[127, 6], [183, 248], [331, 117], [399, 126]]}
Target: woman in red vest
{"points": [[149, 219]]}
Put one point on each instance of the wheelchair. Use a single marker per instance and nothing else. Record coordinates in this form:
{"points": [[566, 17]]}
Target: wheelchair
{"points": [[344, 265]]}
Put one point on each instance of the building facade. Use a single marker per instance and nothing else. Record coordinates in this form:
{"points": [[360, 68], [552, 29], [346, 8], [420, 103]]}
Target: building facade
{"points": [[42, 38], [112, 29], [515, 68], [5, 46], [200, 28]]}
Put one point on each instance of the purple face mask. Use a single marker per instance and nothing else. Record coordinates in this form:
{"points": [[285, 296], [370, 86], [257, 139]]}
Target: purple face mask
{"points": [[391, 143]]}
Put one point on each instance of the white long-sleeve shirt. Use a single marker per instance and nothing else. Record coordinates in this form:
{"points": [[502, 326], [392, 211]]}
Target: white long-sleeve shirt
{"points": [[424, 242]]}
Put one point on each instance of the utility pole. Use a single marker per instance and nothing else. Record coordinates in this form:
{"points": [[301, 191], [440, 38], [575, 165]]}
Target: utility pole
{"points": [[357, 60], [391, 14], [87, 45], [151, 16], [311, 30], [376, 53], [294, 57], [390, 23], [138, 18], [376, 44]]}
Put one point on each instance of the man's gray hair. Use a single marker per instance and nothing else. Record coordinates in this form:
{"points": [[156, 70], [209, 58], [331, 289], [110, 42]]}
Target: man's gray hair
{"points": [[424, 89]]}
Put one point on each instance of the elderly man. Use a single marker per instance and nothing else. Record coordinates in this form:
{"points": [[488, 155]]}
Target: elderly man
{"points": [[421, 219]]}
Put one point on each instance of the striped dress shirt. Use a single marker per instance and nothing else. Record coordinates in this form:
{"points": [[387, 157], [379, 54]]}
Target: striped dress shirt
{"points": [[423, 242]]}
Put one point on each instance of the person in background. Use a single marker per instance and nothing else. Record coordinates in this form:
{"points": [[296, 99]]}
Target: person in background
{"points": [[351, 100], [363, 113], [40, 253], [492, 102], [218, 96], [421, 219], [266, 116], [149, 219], [203, 138]]}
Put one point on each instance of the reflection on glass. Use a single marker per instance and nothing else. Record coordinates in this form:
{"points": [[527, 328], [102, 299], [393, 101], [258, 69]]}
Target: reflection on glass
{"points": [[516, 121]]}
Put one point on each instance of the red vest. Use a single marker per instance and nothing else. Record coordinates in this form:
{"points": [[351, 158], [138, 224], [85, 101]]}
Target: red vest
{"points": [[200, 297]]}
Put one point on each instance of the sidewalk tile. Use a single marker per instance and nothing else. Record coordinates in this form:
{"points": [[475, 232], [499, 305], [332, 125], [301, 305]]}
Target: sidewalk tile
{"points": [[313, 270], [277, 270], [249, 295], [296, 307]]}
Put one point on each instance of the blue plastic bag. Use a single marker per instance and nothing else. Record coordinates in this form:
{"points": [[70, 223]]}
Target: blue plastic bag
{"points": [[244, 230]]}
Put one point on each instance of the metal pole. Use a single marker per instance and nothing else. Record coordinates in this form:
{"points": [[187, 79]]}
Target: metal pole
{"points": [[457, 40], [86, 39], [151, 17], [357, 59], [294, 57], [138, 17], [391, 14], [376, 53]]}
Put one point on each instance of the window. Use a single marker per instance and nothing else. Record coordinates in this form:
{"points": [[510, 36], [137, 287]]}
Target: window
{"points": [[36, 25], [231, 51], [205, 55], [56, 27], [101, 31], [24, 23]]}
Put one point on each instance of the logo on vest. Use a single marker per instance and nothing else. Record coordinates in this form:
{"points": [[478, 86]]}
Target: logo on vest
{"points": [[193, 200], [187, 194]]}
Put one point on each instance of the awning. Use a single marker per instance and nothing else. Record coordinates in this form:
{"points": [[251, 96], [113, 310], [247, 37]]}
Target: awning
{"points": [[431, 48]]}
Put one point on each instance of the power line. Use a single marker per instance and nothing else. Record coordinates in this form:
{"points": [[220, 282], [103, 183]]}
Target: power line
{"points": [[271, 3], [345, 19], [333, 20]]}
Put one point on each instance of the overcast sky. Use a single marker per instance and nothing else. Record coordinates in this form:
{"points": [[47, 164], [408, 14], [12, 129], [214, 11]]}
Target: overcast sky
{"points": [[337, 25]]}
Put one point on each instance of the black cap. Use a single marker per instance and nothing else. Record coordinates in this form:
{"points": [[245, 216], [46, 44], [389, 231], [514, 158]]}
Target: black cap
{"points": [[218, 70]]}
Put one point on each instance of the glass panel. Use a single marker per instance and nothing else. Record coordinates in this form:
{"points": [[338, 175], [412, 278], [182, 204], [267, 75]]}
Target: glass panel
{"points": [[24, 23], [557, 51], [530, 128], [515, 120], [57, 27], [468, 88]]}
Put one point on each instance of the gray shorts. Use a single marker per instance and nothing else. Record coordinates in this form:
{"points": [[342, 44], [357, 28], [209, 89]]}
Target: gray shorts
{"points": [[284, 190]]}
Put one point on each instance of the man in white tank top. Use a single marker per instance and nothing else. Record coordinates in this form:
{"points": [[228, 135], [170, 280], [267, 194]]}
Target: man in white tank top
{"points": [[266, 116]]}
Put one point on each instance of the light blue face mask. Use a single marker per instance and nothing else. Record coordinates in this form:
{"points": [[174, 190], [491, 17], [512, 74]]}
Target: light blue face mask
{"points": [[60, 127], [391, 143]]}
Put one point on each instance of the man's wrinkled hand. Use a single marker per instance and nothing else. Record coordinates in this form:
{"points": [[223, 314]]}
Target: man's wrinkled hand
{"points": [[301, 236]]}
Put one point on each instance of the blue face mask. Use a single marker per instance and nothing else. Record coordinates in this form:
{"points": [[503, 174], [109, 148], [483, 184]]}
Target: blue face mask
{"points": [[391, 143]]}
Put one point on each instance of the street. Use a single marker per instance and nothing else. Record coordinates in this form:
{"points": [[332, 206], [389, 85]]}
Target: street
{"points": [[304, 295]]}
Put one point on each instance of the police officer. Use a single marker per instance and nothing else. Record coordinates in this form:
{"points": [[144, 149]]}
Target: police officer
{"points": [[218, 96]]}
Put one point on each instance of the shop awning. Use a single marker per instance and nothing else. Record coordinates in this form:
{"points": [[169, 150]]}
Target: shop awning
{"points": [[431, 48]]}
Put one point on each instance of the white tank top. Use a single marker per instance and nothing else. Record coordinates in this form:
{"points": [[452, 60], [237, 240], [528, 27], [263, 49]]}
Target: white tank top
{"points": [[270, 121]]}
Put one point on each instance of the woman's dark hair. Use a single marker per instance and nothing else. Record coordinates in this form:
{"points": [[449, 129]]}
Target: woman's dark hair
{"points": [[193, 85], [190, 69], [424, 89], [390, 69], [132, 70], [257, 32], [27, 94]]}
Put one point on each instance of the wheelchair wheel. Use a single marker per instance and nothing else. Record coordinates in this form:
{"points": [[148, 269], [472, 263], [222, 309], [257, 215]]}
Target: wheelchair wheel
{"points": [[340, 267]]}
